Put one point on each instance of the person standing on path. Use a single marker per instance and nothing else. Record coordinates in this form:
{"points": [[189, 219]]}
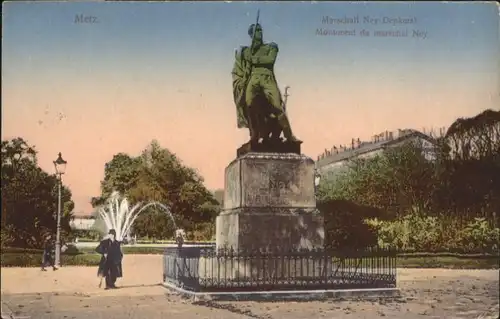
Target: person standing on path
{"points": [[48, 250], [110, 265]]}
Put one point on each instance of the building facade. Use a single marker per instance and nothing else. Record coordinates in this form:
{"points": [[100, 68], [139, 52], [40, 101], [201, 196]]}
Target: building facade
{"points": [[82, 222], [335, 159]]}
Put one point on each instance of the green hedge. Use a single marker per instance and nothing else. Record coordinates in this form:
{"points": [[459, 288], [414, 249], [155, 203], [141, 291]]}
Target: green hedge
{"points": [[15, 250], [404, 261], [129, 250], [86, 240], [420, 232], [85, 256], [448, 262], [71, 251], [87, 250], [35, 260]]}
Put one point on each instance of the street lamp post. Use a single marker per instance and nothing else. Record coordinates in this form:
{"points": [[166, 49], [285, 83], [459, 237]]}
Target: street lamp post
{"points": [[60, 166]]}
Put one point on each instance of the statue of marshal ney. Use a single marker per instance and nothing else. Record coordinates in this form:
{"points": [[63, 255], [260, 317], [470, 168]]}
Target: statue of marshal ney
{"points": [[259, 104]]}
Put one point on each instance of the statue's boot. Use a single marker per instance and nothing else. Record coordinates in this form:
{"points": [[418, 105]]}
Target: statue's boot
{"points": [[254, 134], [274, 129], [287, 129], [254, 137]]}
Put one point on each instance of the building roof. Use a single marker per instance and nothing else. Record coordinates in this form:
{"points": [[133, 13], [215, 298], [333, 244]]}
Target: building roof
{"points": [[83, 216], [367, 147]]}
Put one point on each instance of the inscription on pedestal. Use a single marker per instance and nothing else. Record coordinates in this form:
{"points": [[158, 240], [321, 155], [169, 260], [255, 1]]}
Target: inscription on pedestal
{"points": [[282, 181], [274, 185], [279, 183]]}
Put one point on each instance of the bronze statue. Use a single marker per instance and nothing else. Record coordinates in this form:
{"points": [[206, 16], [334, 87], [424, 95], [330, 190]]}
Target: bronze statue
{"points": [[259, 104]]}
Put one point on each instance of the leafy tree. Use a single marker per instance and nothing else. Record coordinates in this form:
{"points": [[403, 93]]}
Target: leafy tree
{"points": [[345, 226], [471, 170], [159, 175], [399, 178], [29, 198], [477, 137], [219, 196], [462, 182], [120, 174]]}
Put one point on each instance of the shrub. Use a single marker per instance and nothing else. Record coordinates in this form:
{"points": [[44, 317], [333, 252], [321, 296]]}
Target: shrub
{"points": [[394, 234], [479, 236], [413, 232], [424, 231], [344, 224], [6, 237], [202, 232], [419, 232], [71, 249]]}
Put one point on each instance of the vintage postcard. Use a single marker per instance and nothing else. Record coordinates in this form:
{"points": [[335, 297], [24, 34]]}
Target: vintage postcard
{"points": [[245, 151]]}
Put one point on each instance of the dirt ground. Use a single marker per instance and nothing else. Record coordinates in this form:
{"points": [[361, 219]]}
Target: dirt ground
{"points": [[72, 292]]}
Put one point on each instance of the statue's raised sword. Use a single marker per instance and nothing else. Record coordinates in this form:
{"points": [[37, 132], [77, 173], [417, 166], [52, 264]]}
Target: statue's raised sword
{"points": [[286, 97]]}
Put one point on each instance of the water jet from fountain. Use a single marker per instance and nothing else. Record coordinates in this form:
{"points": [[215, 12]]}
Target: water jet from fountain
{"points": [[118, 214]]}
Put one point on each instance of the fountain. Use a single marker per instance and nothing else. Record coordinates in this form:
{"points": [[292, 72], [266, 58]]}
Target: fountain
{"points": [[118, 214]]}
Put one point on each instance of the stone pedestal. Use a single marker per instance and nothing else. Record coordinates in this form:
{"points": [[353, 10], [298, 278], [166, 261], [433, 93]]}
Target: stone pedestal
{"points": [[269, 203]]}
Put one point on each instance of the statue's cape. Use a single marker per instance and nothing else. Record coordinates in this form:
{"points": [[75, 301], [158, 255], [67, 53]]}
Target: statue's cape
{"points": [[241, 72]]}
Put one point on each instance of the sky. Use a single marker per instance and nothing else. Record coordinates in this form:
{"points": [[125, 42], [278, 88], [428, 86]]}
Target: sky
{"points": [[140, 71]]}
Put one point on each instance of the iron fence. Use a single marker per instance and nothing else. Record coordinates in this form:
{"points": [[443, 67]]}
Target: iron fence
{"points": [[207, 269]]}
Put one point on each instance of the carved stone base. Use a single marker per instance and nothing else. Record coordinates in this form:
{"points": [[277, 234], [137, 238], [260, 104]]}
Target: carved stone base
{"points": [[280, 230], [269, 203], [270, 180], [269, 146]]}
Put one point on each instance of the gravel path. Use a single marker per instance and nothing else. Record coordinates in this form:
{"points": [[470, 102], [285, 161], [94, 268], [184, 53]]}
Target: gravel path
{"points": [[72, 292]]}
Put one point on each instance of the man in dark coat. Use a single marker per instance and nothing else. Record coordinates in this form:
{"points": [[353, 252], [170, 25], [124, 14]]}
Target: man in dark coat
{"points": [[48, 249], [110, 265]]}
